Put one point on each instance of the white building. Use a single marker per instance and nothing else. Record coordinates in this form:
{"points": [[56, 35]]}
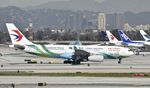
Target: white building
{"points": [[102, 21], [127, 27]]}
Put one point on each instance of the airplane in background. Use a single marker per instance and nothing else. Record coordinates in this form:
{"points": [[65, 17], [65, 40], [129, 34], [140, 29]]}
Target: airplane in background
{"points": [[128, 42], [71, 53], [145, 35], [112, 38]]}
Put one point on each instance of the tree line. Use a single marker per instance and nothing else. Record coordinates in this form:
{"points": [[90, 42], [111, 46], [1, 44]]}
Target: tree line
{"points": [[69, 35]]}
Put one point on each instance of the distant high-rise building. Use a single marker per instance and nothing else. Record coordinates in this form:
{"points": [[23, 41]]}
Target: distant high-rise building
{"points": [[118, 21], [102, 21], [115, 21], [75, 21]]}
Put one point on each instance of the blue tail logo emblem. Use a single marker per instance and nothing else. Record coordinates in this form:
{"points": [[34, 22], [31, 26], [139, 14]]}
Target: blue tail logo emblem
{"points": [[124, 36]]}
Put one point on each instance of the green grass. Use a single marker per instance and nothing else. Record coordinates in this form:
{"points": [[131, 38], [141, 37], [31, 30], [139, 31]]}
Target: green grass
{"points": [[77, 74]]}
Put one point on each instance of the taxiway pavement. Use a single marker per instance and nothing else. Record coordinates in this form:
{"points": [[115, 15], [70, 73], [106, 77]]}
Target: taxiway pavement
{"points": [[73, 82]]}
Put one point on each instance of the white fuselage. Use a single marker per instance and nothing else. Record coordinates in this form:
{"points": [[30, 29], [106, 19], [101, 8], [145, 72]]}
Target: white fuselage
{"points": [[66, 51]]}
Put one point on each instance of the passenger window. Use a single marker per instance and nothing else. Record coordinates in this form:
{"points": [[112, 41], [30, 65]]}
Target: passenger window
{"points": [[130, 50], [75, 47], [70, 47]]}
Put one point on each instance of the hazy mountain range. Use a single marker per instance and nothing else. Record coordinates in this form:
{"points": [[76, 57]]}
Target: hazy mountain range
{"points": [[105, 6], [53, 18]]}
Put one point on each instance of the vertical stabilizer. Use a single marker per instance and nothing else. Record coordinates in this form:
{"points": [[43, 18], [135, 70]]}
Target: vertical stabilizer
{"points": [[124, 37], [145, 35], [111, 37], [16, 36]]}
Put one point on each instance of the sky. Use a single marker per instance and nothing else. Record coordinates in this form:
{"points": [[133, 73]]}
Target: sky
{"points": [[25, 3]]}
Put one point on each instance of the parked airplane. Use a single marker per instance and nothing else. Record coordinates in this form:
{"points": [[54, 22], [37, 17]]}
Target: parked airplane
{"points": [[136, 48], [112, 38], [127, 41], [71, 53], [145, 35]]}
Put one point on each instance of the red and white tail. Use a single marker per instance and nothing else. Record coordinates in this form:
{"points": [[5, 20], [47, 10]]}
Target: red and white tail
{"points": [[111, 37], [16, 36]]}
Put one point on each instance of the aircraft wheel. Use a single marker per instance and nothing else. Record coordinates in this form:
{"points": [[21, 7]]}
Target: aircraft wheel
{"points": [[120, 59], [67, 62]]}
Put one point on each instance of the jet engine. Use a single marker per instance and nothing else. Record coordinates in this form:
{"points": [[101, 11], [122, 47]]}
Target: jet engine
{"points": [[20, 47], [96, 58]]}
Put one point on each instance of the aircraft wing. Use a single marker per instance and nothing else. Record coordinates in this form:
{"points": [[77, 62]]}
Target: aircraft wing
{"points": [[82, 55], [81, 52]]}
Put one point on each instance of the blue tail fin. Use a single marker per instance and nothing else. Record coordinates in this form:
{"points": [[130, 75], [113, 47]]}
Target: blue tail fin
{"points": [[124, 37]]}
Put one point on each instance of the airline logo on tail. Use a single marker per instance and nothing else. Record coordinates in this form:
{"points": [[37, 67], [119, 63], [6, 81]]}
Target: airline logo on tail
{"points": [[112, 37], [145, 35], [17, 35], [124, 36]]}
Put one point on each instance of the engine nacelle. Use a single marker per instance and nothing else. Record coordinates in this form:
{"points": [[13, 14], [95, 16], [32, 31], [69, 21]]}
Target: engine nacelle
{"points": [[96, 58], [11, 46], [20, 47]]}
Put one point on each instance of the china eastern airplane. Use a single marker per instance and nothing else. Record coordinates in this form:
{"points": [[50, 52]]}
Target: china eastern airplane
{"points": [[71, 53], [127, 41]]}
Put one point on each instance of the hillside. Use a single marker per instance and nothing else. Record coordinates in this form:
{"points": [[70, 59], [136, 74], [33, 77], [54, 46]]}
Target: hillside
{"points": [[105, 6]]}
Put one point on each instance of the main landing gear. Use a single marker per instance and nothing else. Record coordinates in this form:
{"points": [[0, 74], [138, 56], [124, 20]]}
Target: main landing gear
{"points": [[76, 59], [68, 62], [120, 59]]}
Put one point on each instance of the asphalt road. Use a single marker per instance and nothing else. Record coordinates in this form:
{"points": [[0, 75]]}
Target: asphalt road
{"points": [[13, 60], [73, 82]]}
